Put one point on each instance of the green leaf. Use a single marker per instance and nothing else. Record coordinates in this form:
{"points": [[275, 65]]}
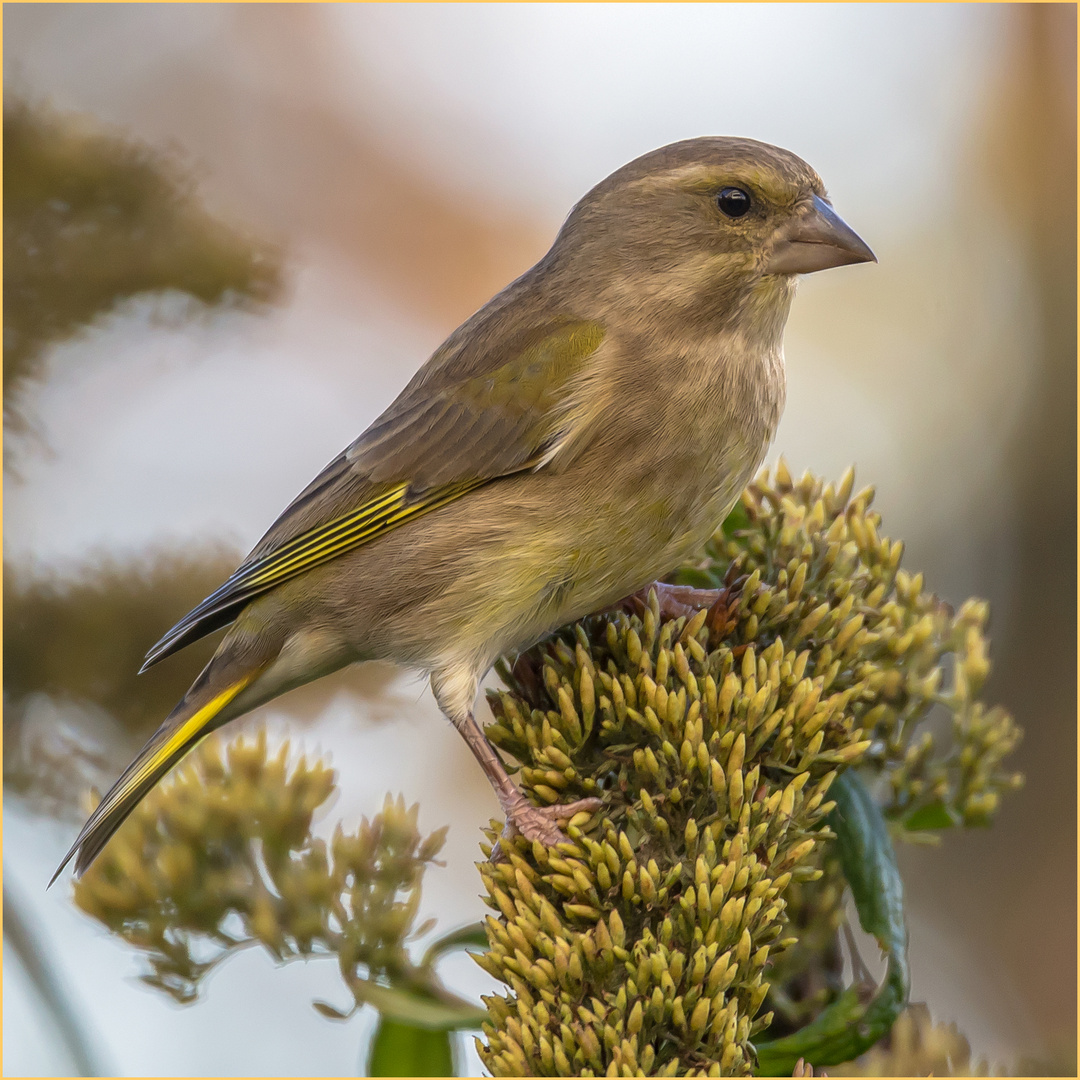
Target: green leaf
{"points": [[696, 578], [399, 1049], [738, 519], [934, 816], [473, 936], [412, 1007], [848, 1027]]}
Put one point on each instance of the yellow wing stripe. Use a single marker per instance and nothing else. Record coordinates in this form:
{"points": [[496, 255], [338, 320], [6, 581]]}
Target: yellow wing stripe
{"points": [[350, 529], [310, 549], [184, 735], [306, 541], [141, 776], [348, 532]]}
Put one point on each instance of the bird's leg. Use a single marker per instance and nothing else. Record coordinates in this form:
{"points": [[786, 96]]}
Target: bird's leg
{"points": [[676, 601], [533, 822]]}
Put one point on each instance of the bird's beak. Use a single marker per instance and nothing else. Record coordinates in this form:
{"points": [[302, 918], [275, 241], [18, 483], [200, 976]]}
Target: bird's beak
{"points": [[815, 238]]}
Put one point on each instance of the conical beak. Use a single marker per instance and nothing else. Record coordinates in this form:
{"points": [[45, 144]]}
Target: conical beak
{"points": [[815, 238]]}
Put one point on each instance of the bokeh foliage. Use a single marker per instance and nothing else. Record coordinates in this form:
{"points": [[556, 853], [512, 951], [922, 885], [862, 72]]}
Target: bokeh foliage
{"points": [[98, 620], [92, 218], [79, 639], [917, 1046]]}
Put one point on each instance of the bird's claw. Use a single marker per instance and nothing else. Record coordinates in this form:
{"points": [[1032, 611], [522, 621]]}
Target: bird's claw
{"points": [[684, 601], [541, 822]]}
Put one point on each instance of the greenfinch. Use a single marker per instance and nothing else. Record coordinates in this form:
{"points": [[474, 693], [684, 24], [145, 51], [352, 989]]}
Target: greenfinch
{"points": [[579, 436]]}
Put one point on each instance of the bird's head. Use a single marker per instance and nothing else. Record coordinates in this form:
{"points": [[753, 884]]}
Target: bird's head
{"points": [[705, 229]]}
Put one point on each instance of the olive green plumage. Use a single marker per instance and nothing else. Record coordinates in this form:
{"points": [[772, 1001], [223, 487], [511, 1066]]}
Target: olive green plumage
{"points": [[576, 438]]}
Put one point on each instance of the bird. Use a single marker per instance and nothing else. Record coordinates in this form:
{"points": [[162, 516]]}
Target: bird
{"points": [[576, 438]]}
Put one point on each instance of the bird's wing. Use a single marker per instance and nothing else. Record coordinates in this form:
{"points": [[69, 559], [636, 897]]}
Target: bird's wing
{"points": [[460, 423]]}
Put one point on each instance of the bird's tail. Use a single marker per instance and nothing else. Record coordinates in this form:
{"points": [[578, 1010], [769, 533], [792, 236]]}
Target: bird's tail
{"points": [[195, 717]]}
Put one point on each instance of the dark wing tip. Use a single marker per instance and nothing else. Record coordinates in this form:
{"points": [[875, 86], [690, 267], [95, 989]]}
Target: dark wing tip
{"points": [[87, 847], [91, 848], [212, 614], [95, 834], [66, 859], [158, 652], [191, 627]]}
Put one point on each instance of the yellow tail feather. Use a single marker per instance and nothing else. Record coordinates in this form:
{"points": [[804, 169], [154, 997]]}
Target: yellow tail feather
{"points": [[165, 748]]}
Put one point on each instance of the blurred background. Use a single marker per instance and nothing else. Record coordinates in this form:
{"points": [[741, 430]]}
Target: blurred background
{"points": [[360, 178]]}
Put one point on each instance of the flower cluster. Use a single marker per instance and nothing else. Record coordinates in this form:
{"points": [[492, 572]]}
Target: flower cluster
{"points": [[829, 574], [711, 724], [222, 855]]}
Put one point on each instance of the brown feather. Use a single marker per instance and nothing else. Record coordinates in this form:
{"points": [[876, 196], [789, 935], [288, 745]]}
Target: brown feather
{"points": [[440, 439]]}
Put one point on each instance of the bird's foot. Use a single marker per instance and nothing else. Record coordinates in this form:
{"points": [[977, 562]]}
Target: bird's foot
{"points": [[684, 601], [541, 822]]}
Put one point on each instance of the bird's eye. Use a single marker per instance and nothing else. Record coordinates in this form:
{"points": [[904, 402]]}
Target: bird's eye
{"points": [[733, 201]]}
